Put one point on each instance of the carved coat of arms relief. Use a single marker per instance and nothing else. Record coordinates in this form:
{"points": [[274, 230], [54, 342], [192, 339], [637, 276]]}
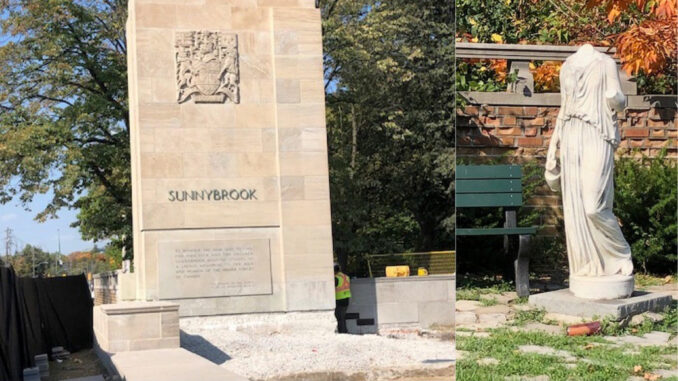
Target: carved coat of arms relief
{"points": [[207, 67]]}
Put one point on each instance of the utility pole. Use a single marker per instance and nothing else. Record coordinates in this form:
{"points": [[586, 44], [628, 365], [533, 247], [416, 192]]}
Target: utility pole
{"points": [[56, 263], [8, 242]]}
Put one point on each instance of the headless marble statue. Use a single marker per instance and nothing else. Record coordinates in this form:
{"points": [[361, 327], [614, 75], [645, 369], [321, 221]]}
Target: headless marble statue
{"points": [[587, 135]]}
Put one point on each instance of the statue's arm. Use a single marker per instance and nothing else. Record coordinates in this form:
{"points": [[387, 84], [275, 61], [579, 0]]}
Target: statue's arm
{"points": [[552, 173], [613, 92]]}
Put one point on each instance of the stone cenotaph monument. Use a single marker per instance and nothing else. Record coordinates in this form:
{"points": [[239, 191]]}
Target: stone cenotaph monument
{"points": [[586, 135], [229, 156]]}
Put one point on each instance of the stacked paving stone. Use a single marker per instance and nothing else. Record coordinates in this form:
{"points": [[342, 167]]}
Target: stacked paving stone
{"points": [[42, 362]]}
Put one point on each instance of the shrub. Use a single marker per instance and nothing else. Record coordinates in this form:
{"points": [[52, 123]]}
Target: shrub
{"points": [[645, 203]]}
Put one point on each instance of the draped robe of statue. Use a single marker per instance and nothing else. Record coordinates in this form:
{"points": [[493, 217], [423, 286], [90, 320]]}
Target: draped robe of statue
{"points": [[587, 135]]}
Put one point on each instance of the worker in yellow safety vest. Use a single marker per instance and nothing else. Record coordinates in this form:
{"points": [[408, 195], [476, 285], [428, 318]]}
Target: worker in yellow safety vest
{"points": [[342, 294]]}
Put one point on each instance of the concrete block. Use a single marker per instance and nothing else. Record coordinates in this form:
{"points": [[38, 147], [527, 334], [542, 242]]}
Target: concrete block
{"points": [[403, 312], [564, 302], [436, 313]]}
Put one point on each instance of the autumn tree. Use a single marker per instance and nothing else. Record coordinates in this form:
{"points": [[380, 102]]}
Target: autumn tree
{"points": [[643, 31], [64, 127], [649, 44]]}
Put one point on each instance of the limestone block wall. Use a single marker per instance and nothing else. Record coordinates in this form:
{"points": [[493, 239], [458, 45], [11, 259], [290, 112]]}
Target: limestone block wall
{"points": [[272, 140], [395, 303]]}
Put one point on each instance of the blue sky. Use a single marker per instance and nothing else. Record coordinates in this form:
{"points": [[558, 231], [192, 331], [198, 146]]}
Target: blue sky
{"points": [[44, 235]]}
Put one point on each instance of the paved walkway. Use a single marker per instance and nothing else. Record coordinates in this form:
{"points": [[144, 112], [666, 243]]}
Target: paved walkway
{"points": [[169, 365]]}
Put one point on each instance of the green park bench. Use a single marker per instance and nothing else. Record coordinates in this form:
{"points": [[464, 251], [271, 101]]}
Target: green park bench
{"points": [[484, 186]]}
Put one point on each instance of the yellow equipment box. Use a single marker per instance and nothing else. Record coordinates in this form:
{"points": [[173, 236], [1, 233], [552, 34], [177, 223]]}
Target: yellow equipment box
{"points": [[397, 271]]}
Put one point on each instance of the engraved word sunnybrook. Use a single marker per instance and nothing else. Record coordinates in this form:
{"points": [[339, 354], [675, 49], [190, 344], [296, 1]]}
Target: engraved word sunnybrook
{"points": [[213, 195]]}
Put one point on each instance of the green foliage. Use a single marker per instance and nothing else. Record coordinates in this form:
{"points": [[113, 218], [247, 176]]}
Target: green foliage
{"points": [[475, 287], [526, 316], [564, 22], [390, 99], [31, 257], [487, 302], [64, 125], [114, 256], [479, 76], [645, 203], [54, 264], [475, 76], [657, 84], [537, 22]]}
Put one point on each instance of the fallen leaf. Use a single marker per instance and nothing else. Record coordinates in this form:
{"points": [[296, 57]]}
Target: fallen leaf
{"points": [[651, 376], [637, 369], [590, 345]]}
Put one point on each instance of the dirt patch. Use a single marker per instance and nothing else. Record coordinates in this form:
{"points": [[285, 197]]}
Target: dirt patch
{"points": [[443, 374], [80, 364]]}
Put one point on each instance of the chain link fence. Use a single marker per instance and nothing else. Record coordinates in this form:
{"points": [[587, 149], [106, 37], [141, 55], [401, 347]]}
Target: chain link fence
{"points": [[434, 262]]}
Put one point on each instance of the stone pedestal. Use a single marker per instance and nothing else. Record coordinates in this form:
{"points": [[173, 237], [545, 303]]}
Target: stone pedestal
{"points": [[564, 302], [230, 186], [135, 326], [602, 287]]}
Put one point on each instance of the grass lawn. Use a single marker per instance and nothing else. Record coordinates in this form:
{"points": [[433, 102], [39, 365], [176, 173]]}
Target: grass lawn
{"points": [[594, 358], [499, 356]]}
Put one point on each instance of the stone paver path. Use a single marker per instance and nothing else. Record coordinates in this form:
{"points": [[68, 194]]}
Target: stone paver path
{"points": [[478, 319]]}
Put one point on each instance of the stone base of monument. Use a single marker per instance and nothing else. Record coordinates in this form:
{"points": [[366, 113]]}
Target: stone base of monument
{"points": [[320, 322], [564, 302], [602, 287], [139, 341], [134, 326]]}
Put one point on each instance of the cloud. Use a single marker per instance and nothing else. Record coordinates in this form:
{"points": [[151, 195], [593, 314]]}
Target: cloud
{"points": [[7, 217]]}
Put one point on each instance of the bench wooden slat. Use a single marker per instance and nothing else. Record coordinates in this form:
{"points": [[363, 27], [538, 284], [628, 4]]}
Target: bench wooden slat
{"points": [[489, 186], [465, 172], [497, 231], [479, 200]]}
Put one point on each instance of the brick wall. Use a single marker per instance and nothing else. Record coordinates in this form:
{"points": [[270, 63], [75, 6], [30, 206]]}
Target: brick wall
{"points": [[525, 131], [105, 288]]}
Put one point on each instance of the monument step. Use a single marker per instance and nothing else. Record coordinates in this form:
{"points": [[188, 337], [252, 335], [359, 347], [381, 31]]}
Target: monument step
{"points": [[176, 364]]}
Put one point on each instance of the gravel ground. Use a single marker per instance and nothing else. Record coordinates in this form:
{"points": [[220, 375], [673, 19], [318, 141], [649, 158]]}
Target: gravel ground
{"points": [[284, 351]]}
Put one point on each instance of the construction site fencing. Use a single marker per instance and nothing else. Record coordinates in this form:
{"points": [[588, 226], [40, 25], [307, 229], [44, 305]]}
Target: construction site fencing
{"points": [[432, 262]]}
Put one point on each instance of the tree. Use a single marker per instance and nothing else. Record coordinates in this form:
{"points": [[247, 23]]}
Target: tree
{"points": [[390, 100], [649, 44], [33, 260], [64, 125], [643, 32]]}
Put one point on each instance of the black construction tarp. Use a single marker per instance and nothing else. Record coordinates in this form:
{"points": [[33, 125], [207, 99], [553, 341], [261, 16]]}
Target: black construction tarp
{"points": [[39, 314], [14, 343]]}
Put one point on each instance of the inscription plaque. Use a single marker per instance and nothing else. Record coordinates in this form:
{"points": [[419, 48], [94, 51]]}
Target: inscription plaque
{"points": [[191, 269]]}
